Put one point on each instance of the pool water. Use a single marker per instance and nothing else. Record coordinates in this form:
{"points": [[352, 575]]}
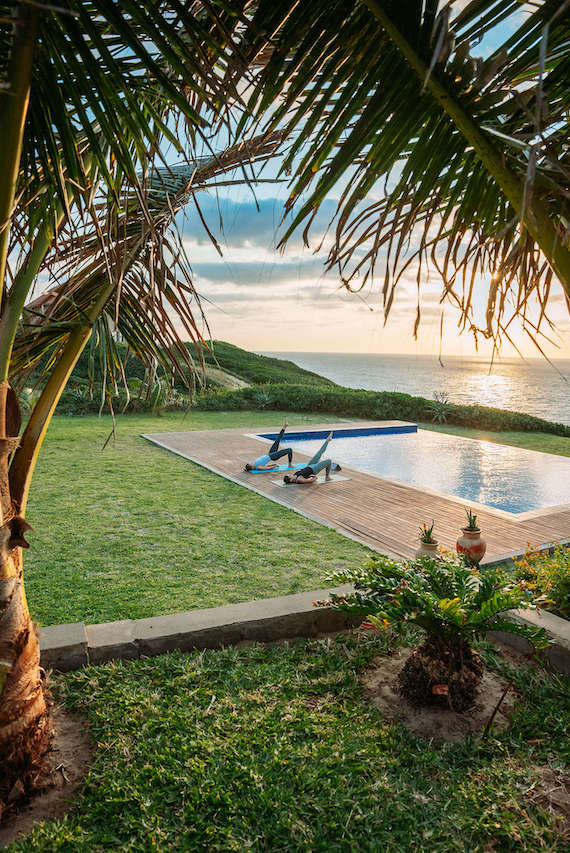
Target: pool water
{"points": [[507, 478]]}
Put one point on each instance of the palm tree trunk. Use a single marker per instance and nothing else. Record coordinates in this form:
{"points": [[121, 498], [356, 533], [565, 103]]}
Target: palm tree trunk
{"points": [[13, 112], [444, 672], [24, 724]]}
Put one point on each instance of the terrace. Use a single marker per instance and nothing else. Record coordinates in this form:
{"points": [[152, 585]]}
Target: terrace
{"points": [[381, 513]]}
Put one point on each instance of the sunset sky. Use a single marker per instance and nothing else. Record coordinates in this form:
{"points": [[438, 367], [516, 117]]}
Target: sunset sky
{"points": [[266, 300]]}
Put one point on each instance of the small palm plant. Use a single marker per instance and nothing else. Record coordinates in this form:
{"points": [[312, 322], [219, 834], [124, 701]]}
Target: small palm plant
{"points": [[439, 408], [426, 533], [471, 521], [453, 604]]}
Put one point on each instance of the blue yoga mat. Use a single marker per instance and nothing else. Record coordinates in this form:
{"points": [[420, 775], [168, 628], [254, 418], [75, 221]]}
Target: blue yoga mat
{"points": [[272, 470]]}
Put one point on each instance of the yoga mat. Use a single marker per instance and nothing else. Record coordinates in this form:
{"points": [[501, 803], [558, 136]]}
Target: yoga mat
{"points": [[335, 478], [273, 470]]}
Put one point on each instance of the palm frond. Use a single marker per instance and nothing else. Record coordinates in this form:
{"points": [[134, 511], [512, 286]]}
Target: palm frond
{"points": [[134, 251], [436, 158], [111, 72]]}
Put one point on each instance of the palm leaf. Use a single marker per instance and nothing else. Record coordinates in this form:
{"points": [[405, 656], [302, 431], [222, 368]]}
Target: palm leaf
{"points": [[140, 259], [116, 69], [383, 92]]}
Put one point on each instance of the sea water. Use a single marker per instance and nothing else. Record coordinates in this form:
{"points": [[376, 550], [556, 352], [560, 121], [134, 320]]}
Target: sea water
{"points": [[532, 386]]}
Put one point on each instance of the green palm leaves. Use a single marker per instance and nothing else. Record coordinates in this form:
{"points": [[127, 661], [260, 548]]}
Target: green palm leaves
{"points": [[104, 77], [434, 156], [446, 598]]}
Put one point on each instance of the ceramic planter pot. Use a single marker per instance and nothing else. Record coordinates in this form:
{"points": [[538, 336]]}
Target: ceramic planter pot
{"points": [[427, 549], [471, 546]]}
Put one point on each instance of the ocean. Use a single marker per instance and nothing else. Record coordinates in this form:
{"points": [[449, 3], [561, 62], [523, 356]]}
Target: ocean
{"points": [[532, 386]]}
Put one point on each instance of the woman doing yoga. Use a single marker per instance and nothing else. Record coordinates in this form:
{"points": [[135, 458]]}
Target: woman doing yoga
{"points": [[269, 460], [316, 464]]}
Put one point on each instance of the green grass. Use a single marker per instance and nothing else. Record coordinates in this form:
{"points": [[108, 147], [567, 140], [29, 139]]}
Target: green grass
{"points": [[260, 369], [276, 749], [134, 531], [544, 442]]}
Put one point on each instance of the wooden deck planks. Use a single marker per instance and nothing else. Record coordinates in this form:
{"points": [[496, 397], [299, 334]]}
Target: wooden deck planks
{"points": [[382, 514]]}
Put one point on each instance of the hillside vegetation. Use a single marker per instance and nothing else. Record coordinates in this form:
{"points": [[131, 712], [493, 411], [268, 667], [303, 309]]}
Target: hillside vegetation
{"points": [[223, 361], [260, 369], [278, 384]]}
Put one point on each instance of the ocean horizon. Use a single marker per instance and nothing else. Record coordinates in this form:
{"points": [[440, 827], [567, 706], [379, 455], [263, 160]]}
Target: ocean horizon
{"points": [[532, 385]]}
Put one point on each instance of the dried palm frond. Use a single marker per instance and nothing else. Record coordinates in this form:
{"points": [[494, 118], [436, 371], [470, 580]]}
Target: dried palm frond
{"points": [[436, 157]]}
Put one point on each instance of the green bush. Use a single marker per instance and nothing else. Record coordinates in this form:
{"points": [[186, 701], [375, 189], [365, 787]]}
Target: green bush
{"points": [[547, 575], [371, 405], [452, 603]]}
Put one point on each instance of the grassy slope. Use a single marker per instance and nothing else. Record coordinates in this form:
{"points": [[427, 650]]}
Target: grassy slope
{"points": [[249, 366], [276, 749], [260, 369], [134, 531]]}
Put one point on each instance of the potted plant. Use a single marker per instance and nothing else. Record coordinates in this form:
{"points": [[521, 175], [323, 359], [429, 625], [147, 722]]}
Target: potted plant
{"points": [[428, 545], [453, 604], [470, 545]]}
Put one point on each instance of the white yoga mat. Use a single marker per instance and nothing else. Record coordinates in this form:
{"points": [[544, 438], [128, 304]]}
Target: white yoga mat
{"points": [[335, 478]]}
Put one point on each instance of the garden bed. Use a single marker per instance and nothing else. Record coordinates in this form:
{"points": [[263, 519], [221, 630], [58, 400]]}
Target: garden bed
{"points": [[546, 574], [279, 748]]}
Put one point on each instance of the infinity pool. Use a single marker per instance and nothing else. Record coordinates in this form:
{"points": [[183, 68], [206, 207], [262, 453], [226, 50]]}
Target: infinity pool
{"points": [[507, 478]]}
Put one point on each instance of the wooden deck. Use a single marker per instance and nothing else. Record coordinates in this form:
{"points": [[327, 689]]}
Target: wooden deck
{"points": [[382, 514]]}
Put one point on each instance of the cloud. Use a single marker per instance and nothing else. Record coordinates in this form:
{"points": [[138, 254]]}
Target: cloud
{"points": [[260, 273], [239, 223]]}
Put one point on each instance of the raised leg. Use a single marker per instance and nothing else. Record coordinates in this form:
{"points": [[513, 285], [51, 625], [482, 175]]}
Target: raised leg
{"points": [[320, 452], [324, 463], [278, 454], [277, 442]]}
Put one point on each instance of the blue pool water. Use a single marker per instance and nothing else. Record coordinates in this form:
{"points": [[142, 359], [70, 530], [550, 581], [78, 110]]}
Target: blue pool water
{"points": [[507, 478]]}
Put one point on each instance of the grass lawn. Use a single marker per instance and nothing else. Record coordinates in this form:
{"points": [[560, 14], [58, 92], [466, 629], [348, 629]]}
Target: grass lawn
{"points": [[541, 441], [134, 531], [275, 749]]}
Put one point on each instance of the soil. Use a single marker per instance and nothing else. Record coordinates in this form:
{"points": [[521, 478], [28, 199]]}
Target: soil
{"points": [[65, 769], [438, 724], [552, 792]]}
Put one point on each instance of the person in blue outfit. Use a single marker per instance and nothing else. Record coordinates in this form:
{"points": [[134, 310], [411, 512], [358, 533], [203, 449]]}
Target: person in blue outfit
{"points": [[309, 473], [269, 460]]}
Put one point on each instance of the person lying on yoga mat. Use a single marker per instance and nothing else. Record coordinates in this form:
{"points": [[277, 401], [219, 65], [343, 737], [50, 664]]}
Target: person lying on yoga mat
{"points": [[269, 460], [315, 466]]}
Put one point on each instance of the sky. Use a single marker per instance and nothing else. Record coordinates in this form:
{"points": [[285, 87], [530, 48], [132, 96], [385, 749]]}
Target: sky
{"points": [[267, 300]]}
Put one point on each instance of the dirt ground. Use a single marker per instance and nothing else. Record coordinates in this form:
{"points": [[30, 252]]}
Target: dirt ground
{"points": [[66, 768], [435, 723]]}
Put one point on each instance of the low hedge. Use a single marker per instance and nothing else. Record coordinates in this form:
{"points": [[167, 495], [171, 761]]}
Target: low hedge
{"points": [[337, 401], [371, 405]]}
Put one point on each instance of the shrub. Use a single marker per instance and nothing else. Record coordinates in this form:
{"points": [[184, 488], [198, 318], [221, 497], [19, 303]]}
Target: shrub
{"points": [[440, 407], [453, 604], [371, 405], [548, 577]]}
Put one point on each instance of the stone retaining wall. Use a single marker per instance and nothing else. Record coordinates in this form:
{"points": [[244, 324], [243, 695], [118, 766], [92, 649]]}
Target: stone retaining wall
{"points": [[67, 647]]}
